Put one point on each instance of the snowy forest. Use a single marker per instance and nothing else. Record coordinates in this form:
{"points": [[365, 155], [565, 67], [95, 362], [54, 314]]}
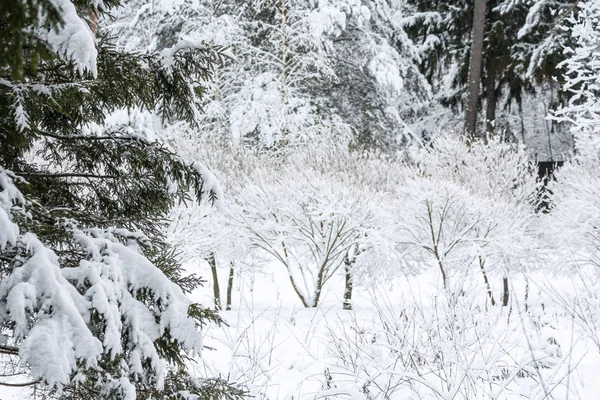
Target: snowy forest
{"points": [[300, 199]]}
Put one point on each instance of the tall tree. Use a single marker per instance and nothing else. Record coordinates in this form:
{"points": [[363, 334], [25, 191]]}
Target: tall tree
{"points": [[91, 297], [475, 62]]}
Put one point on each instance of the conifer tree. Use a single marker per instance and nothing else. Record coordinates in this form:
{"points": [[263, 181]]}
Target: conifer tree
{"points": [[92, 300]]}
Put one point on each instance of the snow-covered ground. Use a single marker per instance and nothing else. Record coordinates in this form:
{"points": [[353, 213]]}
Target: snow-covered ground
{"points": [[407, 340], [404, 340]]}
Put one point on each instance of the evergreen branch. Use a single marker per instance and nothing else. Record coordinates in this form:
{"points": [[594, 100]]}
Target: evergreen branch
{"points": [[89, 137], [66, 175]]}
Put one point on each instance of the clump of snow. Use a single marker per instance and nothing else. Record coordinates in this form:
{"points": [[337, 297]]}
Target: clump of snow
{"points": [[533, 18], [73, 38], [168, 54], [330, 17], [211, 189], [60, 337], [9, 196], [384, 67]]}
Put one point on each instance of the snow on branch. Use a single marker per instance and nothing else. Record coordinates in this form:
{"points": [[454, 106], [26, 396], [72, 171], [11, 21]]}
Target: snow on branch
{"points": [[9, 196], [74, 38], [60, 336], [113, 303]]}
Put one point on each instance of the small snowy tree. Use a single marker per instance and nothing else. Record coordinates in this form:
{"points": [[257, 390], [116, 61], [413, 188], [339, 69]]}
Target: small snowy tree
{"points": [[435, 227], [309, 236], [471, 204], [91, 299]]}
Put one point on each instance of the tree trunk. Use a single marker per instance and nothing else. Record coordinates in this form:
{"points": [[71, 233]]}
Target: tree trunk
{"points": [[285, 67], [487, 281], [490, 84], [302, 298], [216, 290], [526, 293], [475, 61], [505, 292], [434, 241], [347, 305], [229, 286]]}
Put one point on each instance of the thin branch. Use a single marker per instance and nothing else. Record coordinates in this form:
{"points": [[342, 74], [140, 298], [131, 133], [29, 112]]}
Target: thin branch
{"points": [[21, 384], [10, 350]]}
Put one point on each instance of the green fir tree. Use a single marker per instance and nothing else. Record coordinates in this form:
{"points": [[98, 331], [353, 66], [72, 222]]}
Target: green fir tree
{"points": [[92, 299]]}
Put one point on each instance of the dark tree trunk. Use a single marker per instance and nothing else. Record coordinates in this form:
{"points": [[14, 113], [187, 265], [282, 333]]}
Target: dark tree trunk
{"points": [[487, 281], [505, 292], [349, 260], [216, 290], [434, 241], [526, 293], [490, 88], [302, 298], [475, 62], [348, 289], [229, 286], [319, 285]]}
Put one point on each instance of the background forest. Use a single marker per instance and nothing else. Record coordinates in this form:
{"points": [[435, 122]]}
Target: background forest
{"points": [[300, 199]]}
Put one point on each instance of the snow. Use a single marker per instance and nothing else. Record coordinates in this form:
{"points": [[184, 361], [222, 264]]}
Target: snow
{"points": [[331, 17], [9, 197], [60, 336], [384, 66], [533, 17], [73, 38], [168, 54], [211, 189]]}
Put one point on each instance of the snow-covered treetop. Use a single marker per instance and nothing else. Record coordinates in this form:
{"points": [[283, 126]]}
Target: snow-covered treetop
{"points": [[581, 72]]}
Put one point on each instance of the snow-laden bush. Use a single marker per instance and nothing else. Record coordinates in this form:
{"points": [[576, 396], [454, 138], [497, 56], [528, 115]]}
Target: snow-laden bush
{"points": [[575, 216], [447, 351], [458, 209], [435, 225], [494, 168], [462, 206]]}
